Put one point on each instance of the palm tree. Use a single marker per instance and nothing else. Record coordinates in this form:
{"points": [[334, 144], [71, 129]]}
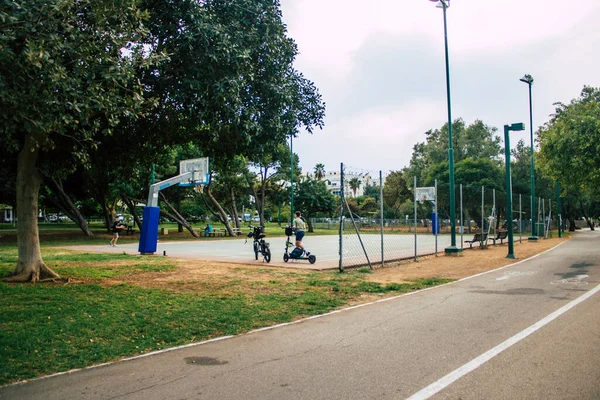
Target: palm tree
{"points": [[354, 184], [319, 171]]}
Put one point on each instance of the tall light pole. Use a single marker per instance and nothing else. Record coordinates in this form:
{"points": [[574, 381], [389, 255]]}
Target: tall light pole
{"points": [[509, 216], [444, 4], [528, 79], [291, 180]]}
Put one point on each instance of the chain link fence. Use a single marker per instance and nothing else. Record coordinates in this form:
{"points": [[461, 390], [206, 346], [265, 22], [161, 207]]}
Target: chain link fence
{"points": [[371, 235]]}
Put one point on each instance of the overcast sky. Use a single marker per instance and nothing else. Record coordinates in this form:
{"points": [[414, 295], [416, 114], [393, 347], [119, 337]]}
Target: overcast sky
{"points": [[380, 67]]}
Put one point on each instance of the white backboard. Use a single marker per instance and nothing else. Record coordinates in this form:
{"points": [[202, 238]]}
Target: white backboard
{"points": [[425, 194], [199, 166]]}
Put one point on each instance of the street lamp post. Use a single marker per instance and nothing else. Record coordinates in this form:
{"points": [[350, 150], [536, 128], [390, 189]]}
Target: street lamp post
{"points": [[509, 218], [291, 180], [444, 4], [528, 79]]}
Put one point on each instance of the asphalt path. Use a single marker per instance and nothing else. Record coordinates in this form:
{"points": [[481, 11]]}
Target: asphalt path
{"points": [[324, 247], [526, 331]]}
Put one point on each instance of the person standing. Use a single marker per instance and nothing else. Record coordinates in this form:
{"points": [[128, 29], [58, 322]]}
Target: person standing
{"points": [[300, 226], [117, 227]]}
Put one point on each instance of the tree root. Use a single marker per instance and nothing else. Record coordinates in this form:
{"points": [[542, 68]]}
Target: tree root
{"points": [[28, 278], [18, 278], [33, 274]]}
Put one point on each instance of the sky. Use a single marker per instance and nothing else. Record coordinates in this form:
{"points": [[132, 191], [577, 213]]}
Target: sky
{"points": [[380, 67]]}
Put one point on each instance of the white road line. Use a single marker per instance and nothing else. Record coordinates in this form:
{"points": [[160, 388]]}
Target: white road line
{"points": [[458, 373]]}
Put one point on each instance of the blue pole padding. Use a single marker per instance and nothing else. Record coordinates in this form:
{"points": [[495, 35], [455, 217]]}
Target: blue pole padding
{"points": [[149, 233], [435, 224]]}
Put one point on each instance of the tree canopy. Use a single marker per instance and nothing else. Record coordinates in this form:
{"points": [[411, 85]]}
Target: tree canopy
{"points": [[570, 141], [145, 74]]}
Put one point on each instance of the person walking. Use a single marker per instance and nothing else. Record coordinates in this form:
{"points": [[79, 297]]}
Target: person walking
{"points": [[300, 226], [117, 227]]}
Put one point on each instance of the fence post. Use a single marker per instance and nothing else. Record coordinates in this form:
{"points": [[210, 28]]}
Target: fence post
{"points": [[558, 213], [494, 211], [520, 221], [482, 211], [462, 224], [437, 220], [415, 212], [341, 267], [381, 210]]}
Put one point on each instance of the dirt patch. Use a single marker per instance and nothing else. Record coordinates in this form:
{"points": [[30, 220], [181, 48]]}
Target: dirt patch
{"points": [[209, 275], [470, 262]]}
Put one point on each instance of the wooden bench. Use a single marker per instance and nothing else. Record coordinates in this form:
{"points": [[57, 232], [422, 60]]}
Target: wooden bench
{"points": [[217, 232], [130, 230], [237, 231], [501, 235], [477, 238]]}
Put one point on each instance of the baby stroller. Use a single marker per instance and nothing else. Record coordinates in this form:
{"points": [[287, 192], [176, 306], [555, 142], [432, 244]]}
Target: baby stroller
{"points": [[297, 253]]}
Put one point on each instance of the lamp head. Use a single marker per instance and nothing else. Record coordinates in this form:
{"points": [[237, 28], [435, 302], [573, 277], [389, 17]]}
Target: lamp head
{"points": [[441, 3], [528, 79], [518, 126]]}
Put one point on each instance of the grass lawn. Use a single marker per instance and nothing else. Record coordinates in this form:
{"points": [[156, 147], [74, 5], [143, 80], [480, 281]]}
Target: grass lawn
{"points": [[119, 305]]}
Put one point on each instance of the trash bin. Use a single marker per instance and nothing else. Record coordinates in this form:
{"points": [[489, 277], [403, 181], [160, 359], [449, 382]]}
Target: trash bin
{"points": [[540, 229]]}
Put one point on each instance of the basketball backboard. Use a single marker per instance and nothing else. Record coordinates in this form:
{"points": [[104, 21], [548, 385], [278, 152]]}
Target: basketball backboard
{"points": [[425, 194], [199, 167]]}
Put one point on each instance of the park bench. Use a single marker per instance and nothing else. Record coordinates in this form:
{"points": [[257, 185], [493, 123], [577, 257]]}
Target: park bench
{"points": [[130, 230], [217, 232], [237, 231], [501, 235], [477, 238]]}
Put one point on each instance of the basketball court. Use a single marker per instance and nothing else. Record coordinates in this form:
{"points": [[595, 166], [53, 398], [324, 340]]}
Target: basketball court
{"points": [[324, 247]]}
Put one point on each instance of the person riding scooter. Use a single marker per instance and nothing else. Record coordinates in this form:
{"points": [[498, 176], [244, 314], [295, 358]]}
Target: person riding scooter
{"points": [[300, 228]]}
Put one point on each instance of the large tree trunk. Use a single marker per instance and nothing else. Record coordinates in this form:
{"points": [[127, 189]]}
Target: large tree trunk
{"points": [[177, 217], [130, 203], [221, 210], [234, 213], [108, 209], [585, 216], [30, 266], [571, 223], [66, 206]]}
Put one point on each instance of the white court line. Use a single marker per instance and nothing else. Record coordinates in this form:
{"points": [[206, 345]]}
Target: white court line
{"points": [[458, 373]]}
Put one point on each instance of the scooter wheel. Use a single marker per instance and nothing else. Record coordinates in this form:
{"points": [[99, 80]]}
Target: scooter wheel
{"points": [[312, 259], [286, 258]]}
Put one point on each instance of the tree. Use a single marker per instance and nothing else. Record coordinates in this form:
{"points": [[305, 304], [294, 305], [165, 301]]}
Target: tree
{"points": [[570, 141], [64, 84], [369, 206], [268, 170], [570, 147], [475, 173], [312, 197], [229, 84], [319, 171], [473, 141], [395, 191], [354, 184]]}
